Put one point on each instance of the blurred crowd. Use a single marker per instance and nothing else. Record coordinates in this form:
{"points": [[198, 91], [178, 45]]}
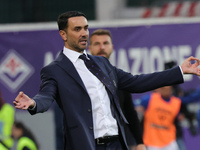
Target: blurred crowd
{"points": [[163, 112], [14, 135]]}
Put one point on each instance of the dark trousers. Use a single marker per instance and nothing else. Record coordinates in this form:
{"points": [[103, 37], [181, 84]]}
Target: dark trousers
{"points": [[116, 145]]}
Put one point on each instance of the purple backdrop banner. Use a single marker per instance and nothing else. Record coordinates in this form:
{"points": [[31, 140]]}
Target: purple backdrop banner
{"points": [[138, 49]]}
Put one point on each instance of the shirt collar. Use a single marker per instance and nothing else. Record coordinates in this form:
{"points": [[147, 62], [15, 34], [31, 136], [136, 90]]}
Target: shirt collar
{"points": [[73, 55]]}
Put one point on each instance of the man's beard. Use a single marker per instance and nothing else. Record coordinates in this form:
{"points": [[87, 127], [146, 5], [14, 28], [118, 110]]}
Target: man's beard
{"points": [[77, 48], [104, 54]]}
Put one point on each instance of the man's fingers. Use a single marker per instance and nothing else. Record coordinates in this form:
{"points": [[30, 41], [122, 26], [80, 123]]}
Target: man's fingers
{"points": [[19, 96], [24, 107], [20, 102], [14, 102], [193, 58], [197, 62], [19, 106]]}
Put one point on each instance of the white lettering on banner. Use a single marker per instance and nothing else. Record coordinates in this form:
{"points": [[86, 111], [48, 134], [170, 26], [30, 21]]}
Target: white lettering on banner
{"points": [[145, 57], [197, 55], [169, 54], [156, 56], [122, 61], [184, 52], [48, 58], [135, 54], [112, 58], [144, 60]]}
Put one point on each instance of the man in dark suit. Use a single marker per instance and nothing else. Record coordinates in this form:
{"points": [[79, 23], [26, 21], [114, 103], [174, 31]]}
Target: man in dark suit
{"points": [[92, 115]]}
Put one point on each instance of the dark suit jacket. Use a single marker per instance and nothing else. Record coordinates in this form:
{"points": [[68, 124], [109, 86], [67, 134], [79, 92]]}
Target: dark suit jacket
{"points": [[61, 82], [133, 130]]}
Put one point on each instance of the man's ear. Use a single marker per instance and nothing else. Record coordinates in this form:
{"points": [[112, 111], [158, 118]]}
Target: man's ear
{"points": [[63, 35]]}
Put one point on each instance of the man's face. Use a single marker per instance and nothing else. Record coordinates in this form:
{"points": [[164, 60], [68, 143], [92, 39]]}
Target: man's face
{"points": [[166, 91], [101, 45], [76, 35], [16, 132]]}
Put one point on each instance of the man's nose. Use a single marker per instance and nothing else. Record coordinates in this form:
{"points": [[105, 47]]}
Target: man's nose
{"points": [[84, 33], [102, 46]]}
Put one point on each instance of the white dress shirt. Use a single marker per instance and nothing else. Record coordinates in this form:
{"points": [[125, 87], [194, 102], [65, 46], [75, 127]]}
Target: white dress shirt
{"points": [[103, 121]]}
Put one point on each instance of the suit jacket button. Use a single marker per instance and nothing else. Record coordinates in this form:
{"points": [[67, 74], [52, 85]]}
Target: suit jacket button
{"points": [[91, 128], [89, 110]]}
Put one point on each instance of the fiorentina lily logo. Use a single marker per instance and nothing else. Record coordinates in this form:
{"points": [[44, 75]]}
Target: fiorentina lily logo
{"points": [[14, 70]]}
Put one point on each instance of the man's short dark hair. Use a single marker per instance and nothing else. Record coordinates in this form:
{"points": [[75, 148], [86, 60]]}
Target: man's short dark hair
{"points": [[63, 18]]}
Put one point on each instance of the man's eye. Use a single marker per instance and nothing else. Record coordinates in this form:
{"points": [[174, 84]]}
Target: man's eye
{"points": [[96, 44], [77, 29]]}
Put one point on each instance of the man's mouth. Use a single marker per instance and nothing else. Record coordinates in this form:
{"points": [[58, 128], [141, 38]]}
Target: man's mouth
{"points": [[83, 42]]}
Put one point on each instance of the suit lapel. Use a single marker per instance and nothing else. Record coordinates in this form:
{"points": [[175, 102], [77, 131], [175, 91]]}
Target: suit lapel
{"points": [[69, 68]]}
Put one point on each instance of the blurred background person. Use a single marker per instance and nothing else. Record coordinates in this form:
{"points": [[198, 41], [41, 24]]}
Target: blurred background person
{"points": [[186, 97], [101, 45], [184, 113], [161, 109], [24, 139], [7, 116]]}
